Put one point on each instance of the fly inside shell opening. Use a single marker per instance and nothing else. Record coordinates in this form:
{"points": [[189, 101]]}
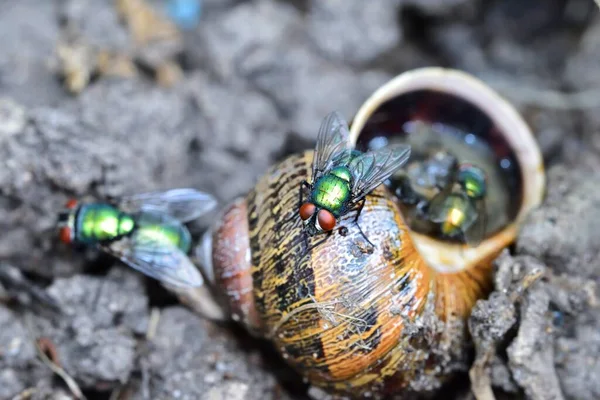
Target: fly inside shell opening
{"points": [[445, 132]]}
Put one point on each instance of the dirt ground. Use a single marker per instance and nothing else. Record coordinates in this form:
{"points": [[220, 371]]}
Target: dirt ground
{"points": [[92, 105]]}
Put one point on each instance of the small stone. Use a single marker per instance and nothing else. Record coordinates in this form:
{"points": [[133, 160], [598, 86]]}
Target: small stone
{"points": [[211, 377], [350, 31], [183, 347], [96, 343], [10, 383], [12, 118], [230, 391]]}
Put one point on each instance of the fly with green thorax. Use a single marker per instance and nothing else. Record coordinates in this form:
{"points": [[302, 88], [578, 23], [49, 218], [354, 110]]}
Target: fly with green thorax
{"points": [[459, 207], [342, 177], [146, 231]]}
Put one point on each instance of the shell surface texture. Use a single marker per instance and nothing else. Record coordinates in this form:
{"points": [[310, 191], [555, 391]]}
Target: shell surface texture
{"points": [[389, 321], [145, 231]]}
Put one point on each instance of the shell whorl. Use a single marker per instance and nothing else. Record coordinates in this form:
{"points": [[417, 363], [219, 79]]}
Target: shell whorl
{"points": [[342, 317]]}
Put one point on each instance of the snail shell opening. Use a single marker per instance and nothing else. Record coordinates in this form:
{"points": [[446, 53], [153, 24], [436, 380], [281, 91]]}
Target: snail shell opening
{"points": [[464, 116]]}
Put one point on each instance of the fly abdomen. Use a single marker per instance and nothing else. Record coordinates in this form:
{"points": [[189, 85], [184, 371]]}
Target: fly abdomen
{"points": [[99, 222], [162, 231]]}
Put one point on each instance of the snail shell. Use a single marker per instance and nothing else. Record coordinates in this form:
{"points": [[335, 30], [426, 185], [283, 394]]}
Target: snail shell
{"points": [[350, 321]]}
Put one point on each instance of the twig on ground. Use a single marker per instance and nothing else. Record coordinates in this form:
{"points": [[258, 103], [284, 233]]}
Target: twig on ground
{"points": [[25, 394], [73, 387], [153, 323], [145, 380], [115, 394]]}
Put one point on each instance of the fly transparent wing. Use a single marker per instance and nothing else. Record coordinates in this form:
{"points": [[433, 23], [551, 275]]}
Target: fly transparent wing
{"points": [[333, 145], [439, 206], [183, 204], [370, 169], [475, 233], [151, 249], [167, 264]]}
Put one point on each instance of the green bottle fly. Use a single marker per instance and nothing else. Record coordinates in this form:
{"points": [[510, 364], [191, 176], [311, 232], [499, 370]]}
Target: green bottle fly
{"points": [[342, 176], [460, 208], [146, 231], [98, 223]]}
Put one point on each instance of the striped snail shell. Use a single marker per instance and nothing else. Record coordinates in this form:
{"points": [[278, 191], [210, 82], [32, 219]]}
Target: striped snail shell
{"points": [[391, 321]]}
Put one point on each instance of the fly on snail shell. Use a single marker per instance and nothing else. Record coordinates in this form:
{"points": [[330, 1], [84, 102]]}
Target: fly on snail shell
{"points": [[342, 177]]}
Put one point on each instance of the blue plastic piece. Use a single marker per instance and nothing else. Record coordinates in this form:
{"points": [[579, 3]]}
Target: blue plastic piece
{"points": [[185, 13]]}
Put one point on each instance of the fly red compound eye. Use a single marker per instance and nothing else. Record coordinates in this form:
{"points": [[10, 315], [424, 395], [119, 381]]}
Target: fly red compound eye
{"points": [[71, 204], [307, 210], [65, 234], [326, 220]]}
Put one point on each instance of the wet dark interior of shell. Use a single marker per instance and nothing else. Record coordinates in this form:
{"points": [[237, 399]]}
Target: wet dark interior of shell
{"points": [[442, 127]]}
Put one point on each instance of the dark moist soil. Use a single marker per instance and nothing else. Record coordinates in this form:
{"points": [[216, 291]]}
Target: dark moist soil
{"points": [[212, 108]]}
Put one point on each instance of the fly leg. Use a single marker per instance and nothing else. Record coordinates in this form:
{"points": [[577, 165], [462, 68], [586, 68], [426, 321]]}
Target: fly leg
{"points": [[308, 249], [358, 212], [294, 213], [304, 184], [327, 236]]}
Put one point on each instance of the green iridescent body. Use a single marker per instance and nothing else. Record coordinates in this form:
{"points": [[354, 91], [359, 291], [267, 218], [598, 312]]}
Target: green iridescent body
{"points": [[152, 228], [460, 214], [145, 231], [100, 222], [460, 206], [333, 191], [473, 180]]}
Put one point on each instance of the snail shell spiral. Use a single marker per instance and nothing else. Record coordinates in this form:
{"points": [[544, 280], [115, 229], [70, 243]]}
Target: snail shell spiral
{"points": [[338, 314], [356, 322]]}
